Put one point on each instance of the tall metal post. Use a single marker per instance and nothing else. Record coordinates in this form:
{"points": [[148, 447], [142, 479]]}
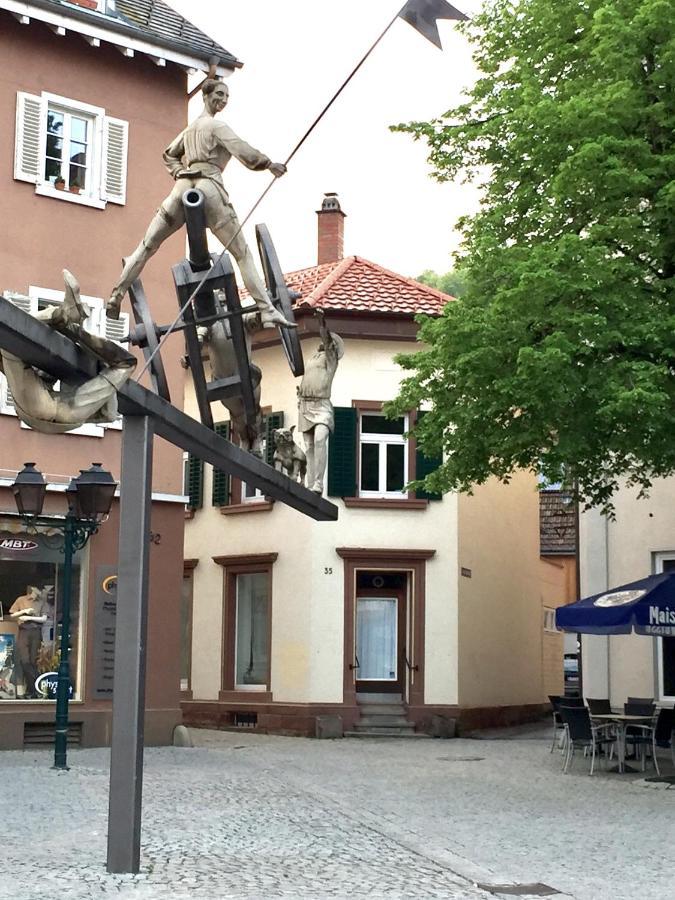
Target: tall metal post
{"points": [[126, 762], [63, 679]]}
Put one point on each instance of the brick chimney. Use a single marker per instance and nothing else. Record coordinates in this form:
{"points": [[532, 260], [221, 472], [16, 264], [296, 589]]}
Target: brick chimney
{"points": [[331, 230]]}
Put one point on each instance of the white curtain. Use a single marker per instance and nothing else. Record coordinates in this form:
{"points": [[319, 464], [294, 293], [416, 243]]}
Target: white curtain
{"points": [[252, 657], [376, 638]]}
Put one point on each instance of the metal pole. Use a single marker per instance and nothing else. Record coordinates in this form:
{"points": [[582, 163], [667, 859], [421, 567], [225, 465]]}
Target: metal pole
{"points": [[63, 679], [126, 762]]}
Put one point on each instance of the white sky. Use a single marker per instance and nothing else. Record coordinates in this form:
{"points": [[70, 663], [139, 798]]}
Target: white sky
{"points": [[296, 53]]}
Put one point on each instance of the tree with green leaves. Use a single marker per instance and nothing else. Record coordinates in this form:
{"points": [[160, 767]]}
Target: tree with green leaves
{"points": [[452, 282], [560, 356]]}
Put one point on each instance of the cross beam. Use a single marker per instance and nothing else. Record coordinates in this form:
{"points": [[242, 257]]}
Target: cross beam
{"points": [[38, 344], [145, 413]]}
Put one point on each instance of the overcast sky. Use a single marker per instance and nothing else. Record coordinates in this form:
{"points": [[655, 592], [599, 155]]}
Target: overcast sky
{"points": [[296, 53]]}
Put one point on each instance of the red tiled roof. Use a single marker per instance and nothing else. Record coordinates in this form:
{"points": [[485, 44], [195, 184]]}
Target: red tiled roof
{"points": [[358, 285]]}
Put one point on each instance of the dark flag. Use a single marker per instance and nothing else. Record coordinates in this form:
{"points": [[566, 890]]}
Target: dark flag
{"points": [[422, 15]]}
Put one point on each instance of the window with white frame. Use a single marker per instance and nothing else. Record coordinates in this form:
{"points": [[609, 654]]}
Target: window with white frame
{"points": [[549, 619], [97, 322], [70, 150], [665, 650], [383, 454]]}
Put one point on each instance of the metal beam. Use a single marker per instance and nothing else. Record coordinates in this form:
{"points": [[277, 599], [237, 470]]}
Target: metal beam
{"points": [[131, 626], [36, 343]]}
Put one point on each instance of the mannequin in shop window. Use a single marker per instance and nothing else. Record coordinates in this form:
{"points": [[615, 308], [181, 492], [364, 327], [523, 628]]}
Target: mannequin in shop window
{"points": [[29, 611]]}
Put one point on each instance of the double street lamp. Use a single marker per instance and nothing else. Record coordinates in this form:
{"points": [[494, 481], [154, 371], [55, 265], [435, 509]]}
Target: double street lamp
{"points": [[90, 498]]}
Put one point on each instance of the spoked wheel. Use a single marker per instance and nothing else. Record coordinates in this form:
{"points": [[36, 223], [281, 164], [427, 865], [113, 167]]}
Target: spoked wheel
{"points": [[143, 317], [280, 296]]}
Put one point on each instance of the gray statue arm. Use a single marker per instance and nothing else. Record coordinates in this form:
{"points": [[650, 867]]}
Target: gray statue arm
{"points": [[245, 153], [173, 156]]}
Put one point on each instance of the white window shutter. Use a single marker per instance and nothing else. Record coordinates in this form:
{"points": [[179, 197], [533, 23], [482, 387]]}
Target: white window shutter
{"points": [[114, 169], [6, 399], [28, 150], [27, 304], [115, 329]]}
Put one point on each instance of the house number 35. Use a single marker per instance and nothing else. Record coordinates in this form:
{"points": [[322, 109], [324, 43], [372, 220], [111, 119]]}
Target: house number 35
{"points": [[327, 570]]}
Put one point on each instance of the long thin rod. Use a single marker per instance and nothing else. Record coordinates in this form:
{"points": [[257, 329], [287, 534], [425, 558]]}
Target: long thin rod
{"points": [[264, 194]]}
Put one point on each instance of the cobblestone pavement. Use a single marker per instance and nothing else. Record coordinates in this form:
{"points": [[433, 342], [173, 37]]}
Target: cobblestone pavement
{"points": [[252, 816]]}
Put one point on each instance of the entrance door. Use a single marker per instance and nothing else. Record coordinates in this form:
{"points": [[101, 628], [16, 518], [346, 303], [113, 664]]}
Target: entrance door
{"points": [[380, 637]]}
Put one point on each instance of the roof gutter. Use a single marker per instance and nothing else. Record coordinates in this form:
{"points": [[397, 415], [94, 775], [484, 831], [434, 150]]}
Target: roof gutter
{"points": [[118, 26]]}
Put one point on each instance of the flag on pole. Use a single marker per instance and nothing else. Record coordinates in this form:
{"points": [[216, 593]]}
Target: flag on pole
{"points": [[422, 15]]}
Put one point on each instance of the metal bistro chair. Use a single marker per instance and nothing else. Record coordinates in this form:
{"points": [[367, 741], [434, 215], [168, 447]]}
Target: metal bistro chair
{"points": [[642, 737], [598, 707], [581, 733], [646, 701], [558, 724]]}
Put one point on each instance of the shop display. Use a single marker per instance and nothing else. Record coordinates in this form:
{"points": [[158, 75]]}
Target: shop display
{"points": [[30, 615]]}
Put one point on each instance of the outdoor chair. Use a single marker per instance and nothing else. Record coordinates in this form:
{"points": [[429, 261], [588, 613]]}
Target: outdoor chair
{"points": [[558, 724], [573, 701], [664, 733], [582, 734], [598, 707], [642, 737], [644, 700]]}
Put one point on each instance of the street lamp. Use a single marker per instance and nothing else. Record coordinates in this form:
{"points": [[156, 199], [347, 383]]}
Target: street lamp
{"points": [[90, 497]]}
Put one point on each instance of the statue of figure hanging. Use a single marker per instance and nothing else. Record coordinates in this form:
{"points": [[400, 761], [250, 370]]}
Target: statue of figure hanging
{"points": [[52, 411]]}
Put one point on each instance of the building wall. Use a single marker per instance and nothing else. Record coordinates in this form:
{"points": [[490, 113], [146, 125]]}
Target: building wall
{"points": [[308, 603], [615, 552], [500, 603], [48, 235], [42, 236], [557, 576]]}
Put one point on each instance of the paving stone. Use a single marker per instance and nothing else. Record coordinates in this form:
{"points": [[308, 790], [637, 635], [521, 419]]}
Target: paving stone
{"points": [[298, 818]]}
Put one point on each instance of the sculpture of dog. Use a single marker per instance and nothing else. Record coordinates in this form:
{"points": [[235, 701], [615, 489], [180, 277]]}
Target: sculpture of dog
{"points": [[288, 457]]}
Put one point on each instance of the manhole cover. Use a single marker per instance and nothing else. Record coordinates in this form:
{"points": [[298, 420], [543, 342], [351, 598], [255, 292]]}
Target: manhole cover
{"points": [[461, 758], [520, 890], [661, 779]]}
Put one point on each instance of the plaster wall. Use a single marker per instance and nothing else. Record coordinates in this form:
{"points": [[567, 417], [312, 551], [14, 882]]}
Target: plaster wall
{"points": [[626, 546], [43, 235], [308, 580], [500, 661]]}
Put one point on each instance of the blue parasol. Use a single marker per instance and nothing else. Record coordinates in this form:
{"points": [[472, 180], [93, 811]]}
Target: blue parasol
{"points": [[646, 606]]}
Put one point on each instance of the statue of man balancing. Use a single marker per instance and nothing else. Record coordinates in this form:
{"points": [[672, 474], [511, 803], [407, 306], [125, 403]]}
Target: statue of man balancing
{"points": [[196, 159]]}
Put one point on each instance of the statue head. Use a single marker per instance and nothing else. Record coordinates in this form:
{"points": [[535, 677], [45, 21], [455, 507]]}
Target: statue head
{"points": [[216, 94]]}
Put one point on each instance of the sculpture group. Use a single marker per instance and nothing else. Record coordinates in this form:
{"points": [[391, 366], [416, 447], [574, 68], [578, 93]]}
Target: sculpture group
{"points": [[210, 314]]}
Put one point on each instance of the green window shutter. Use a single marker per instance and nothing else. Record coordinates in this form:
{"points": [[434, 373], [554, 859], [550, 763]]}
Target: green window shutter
{"points": [[272, 421], [342, 454], [425, 465], [220, 487], [195, 481]]}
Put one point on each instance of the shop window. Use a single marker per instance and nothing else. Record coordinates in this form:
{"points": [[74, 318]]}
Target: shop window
{"points": [[665, 649], [70, 150], [186, 602], [31, 605], [247, 623], [252, 640], [370, 457]]}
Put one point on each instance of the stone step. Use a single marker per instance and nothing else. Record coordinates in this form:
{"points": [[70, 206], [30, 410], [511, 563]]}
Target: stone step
{"points": [[383, 721], [362, 698], [384, 726], [387, 733], [382, 709]]}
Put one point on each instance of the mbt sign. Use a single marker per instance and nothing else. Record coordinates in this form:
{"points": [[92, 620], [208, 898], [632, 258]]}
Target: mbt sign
{"points": [[17, 544]]}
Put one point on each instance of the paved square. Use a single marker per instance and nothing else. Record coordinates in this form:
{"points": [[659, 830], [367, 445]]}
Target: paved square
{"points": [[254, 816]]}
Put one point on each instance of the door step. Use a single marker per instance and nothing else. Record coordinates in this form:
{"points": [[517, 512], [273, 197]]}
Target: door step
{"points": [[387, 733], [369, 720], [365, 699]]}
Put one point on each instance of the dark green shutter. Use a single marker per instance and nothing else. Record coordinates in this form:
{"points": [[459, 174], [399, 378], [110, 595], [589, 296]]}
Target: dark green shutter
{"points": [[271, 421], [220, 487], [342, 454], [425, 465], [195, 481]]}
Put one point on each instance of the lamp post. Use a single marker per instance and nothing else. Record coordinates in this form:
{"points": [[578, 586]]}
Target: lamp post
{"points": [[90, 498]]}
